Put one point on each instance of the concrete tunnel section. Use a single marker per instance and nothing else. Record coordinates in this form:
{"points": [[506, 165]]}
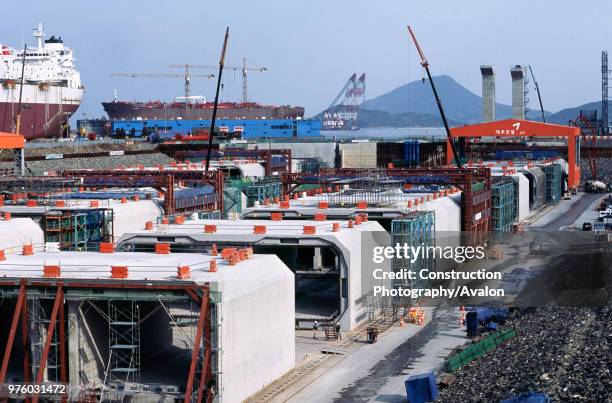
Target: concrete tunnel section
{"points": [[331, 283], [133, 337]]}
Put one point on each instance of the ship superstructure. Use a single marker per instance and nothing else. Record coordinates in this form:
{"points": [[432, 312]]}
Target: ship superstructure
{"points": [[52, 89]]}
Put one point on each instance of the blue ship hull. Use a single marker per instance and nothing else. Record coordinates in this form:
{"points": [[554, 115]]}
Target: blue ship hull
{"points": [[249, 128]]}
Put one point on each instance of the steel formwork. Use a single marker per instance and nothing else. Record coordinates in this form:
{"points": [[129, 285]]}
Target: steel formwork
{"points": [[164, 181], [43, 328]]}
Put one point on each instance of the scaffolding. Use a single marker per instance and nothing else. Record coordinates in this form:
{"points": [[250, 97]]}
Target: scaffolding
{"points": [[123, 341], [502, 208], [416, 229], [78, 229], [40, 314], [553, 183]]}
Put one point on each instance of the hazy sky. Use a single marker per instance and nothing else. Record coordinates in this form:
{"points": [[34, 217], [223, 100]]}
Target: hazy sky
{"points": [[312, 46]]}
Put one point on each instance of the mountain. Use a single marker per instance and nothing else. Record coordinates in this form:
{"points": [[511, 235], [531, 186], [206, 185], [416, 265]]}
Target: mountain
{"points": [[374, 118], [567, 114], [460, 104]]}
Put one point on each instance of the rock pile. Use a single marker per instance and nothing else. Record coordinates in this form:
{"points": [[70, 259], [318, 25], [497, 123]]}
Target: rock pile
{"points": [[563, 352]]}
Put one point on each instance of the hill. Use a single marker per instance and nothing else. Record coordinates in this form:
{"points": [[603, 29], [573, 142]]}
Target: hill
{"points": [[374, 118], [567, 114], [460, 104]]}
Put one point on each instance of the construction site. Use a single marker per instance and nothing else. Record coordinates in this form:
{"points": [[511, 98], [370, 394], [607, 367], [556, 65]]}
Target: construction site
{"points": [[205, 269]]}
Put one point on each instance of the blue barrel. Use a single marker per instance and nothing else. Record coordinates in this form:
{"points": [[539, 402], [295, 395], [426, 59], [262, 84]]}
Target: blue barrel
{"points": [[471, 321], [421, 388], [529, 397]]}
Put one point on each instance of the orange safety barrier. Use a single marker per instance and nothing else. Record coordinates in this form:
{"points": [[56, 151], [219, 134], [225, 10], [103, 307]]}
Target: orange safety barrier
{"points": [[409, 204], [210, 228], [51, 271], [27, 250], [320, 217], [136, 198], [2, 256], [310, 230], [276, 216], [362, 204], [1, 201], [336, 227], [213, 250], [183, 272], [323, 205], [7, 216], [179, 219], [123, 200], [213, 266], [249, 253], [162, 248], [119, 272], [94, 203], [31, 203], [284, 204], [106, 247], [60, 203], [227, 252], [259, 229], [148, 225], [165, 220]]}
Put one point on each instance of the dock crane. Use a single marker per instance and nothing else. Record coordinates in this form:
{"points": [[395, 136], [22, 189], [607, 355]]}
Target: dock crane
{"points": [[187, 76], [537, 87], [244, 69], [425, 65]]}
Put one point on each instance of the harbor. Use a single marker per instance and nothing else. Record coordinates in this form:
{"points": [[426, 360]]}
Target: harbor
{"points": [[214, 246]]}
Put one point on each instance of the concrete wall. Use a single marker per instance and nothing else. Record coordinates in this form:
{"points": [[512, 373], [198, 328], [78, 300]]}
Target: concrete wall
{"points": [[258, 330], [16, 232], [358, 155]]}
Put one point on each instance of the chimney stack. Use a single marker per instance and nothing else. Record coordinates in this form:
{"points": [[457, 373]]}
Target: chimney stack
{"points": [[488, 93], [518, 91]]}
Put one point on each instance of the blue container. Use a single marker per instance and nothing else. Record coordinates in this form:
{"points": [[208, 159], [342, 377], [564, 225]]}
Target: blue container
{"points": [[421, 388], [471, 321]]}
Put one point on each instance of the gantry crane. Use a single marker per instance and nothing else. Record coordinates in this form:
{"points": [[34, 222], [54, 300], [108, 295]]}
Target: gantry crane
{"points": [[187, 76], [244, 69]]}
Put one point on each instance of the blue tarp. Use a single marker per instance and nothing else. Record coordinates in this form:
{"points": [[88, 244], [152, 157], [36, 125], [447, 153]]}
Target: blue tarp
{"points": [[531, 397]]}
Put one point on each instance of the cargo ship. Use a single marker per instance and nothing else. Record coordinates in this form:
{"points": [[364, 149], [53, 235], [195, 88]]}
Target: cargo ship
{"points": [[157, 110], [51, 92]]}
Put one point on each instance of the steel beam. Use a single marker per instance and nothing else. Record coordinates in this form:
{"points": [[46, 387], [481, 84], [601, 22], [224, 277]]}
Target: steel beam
{"points": [[59, 300], [196, 346], [13, 330], [25, 338], [205, 375], [62, 347]]}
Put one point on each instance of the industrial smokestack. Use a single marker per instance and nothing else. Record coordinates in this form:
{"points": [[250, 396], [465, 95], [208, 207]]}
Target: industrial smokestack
{"points": [[488, 93], [518, 91]]}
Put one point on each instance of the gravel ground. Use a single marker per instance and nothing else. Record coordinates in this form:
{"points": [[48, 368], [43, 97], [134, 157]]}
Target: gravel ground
{"points": [[563, 352], [38, 167]]}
